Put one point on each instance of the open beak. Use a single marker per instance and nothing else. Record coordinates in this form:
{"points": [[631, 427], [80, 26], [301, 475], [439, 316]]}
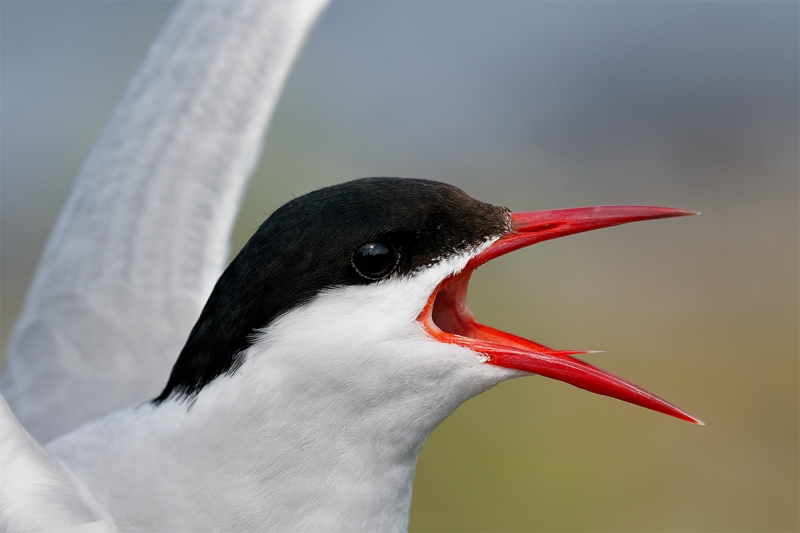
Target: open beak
{"points": [[447, 318]]}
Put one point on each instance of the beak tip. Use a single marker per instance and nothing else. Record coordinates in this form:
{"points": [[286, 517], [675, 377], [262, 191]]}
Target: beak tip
{"points": [[689, 418], [678, 212]]}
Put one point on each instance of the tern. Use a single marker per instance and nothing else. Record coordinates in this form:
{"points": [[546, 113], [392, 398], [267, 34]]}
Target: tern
{"points": [[329, 349], [323, 356]]}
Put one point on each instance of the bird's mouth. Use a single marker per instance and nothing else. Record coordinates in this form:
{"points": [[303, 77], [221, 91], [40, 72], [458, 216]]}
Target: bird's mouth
{"points": [[447, 318]]}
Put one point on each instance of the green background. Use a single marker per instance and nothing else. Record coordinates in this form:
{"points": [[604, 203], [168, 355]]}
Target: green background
{"points": [[531, 105]]}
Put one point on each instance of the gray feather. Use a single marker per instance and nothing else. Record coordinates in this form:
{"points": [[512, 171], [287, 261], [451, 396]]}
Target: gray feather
{"points": [[144, 233]]}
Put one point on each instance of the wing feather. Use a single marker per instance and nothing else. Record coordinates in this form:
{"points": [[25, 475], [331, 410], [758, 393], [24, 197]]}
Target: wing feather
{"points": [[38, 493], [144, 233]]}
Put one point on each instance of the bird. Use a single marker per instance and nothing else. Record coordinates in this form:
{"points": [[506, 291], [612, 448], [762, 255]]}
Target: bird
{"points": [[311, 372], [329, 349]]}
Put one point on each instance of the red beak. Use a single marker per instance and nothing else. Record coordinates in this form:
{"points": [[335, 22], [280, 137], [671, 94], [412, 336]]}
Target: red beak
{"points": [[447, 318]]}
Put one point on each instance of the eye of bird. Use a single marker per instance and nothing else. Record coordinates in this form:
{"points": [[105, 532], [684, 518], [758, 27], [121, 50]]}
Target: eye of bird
{"points": [[375, 260]]}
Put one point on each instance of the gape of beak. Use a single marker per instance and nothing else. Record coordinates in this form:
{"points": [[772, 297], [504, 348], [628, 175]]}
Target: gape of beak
{"points": [[447, 318]]}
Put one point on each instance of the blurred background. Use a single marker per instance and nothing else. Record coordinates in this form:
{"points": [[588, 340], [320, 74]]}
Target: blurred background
{"points": [[531, 105]]}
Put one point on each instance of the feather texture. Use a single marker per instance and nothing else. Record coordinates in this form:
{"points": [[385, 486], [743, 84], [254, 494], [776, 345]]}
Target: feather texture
{"points": [[144, 233], [38, 493]]}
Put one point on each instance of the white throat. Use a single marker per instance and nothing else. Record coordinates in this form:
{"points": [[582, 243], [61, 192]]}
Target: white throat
{"points": [[318, 429]]}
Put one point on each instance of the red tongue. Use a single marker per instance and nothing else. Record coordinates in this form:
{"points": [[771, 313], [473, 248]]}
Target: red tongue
{"points": [[488, 333], [509, 351]]}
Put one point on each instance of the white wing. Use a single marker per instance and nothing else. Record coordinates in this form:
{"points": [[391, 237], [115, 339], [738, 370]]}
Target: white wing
{"points": [[38, 493], [144, 234]]}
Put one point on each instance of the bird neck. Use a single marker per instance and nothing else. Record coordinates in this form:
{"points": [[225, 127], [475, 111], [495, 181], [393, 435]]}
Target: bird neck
{"points": [[303, 442], [310, 452], [315, 462]]}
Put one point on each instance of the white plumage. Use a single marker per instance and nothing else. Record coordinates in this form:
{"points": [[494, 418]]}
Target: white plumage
{"points": [[319, 430], [38, 493]]}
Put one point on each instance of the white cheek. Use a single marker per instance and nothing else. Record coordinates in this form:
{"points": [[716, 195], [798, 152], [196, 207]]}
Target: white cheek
{"points": [[352, 315]]}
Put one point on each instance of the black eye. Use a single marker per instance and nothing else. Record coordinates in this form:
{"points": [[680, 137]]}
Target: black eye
{"points": [[375, 260]]}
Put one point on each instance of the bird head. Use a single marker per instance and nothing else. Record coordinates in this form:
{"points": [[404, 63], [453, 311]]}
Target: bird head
{"points": [[361, 288]]}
